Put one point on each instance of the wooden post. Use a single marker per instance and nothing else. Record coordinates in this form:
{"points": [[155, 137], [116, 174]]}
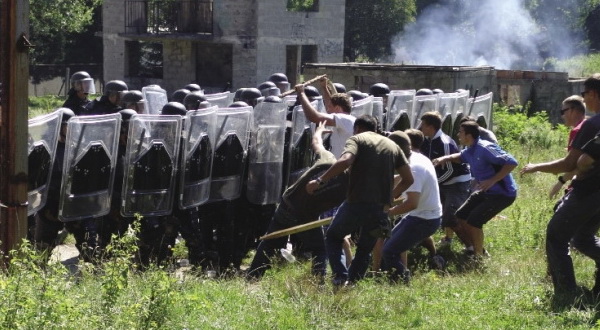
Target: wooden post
{"points": [[14, 76]]}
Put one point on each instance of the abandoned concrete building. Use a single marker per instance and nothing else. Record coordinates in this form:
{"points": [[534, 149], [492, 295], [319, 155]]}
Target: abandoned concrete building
{"points": [[219, 45]]}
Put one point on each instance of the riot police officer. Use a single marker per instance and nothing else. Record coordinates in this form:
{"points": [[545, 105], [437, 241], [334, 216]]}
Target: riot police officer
{"points": [[133, 100], [110, 101], [82, 85]]}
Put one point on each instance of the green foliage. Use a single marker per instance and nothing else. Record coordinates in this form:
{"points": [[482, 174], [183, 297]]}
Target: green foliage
{"points": [[302, 5], [45, 104], [371, 25], [63, 33], [514, 128], [69, 16], [579, 66]]}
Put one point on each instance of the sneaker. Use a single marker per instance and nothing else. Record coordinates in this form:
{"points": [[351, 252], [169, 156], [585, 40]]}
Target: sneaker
{"points": [[438, 262], [486, 254]]}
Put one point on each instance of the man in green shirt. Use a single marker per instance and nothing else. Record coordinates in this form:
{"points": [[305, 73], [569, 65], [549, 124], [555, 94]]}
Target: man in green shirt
{"points": [[372, 159]]}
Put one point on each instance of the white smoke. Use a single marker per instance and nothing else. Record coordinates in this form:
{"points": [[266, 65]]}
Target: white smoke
{"points": [[490, 32]]}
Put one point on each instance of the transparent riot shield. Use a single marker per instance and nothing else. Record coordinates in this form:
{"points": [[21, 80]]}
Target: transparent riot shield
{"points": [[446, 110], [319, 104], [481, 109], [221, 100], [41, 145], [300, 150], [265, 154], [198, 153], [151, 159], [362, 107], [233, 127], [290, 100], [458, 112], [422, 104], [155, 97], [378, 110], [400, 104], [89, 166]]}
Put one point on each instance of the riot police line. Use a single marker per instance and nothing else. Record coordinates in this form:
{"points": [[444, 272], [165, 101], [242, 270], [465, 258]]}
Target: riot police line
{"points": [[210, 168]]}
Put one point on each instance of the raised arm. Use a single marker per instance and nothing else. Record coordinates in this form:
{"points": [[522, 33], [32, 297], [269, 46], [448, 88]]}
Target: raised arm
{"points": [[309, 111], [326, 94]]}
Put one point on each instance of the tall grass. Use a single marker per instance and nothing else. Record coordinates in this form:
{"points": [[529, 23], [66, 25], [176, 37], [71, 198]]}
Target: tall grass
{"points": [[579, 66], [510, 290]]}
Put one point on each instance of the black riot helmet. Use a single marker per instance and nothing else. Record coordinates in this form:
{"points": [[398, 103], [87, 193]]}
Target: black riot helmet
{"points": [[173, 108], [266, 84], [179, 95], [133, 96], [437, 91], [357, 95], [311, 92], [278, 77], [133, 99], [250, 96], [81, 81], [204, 105], [193, 99], [379, 90], [238, 104], [238, 94], [115, 86], [193, 87], [66, 114], [281, 81], [273, 99], [271, 91], [339, 88], [424, 91], [126, 114]]}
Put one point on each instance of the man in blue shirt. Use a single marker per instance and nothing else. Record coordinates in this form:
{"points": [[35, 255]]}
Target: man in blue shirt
{"points": [[495, 187]]}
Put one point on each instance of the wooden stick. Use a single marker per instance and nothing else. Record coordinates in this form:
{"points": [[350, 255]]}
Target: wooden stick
{"points": [[297, 229], [313, 80]]}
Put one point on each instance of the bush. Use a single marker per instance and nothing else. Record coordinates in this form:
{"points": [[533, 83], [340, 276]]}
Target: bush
{"points": [[514, 128]]}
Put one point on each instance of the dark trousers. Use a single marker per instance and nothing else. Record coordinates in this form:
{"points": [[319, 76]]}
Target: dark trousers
{"points": [[576, 220]]}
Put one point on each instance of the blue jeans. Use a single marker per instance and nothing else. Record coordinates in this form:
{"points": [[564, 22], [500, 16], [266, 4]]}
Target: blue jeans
{"points": [[409, 232], [576, 220], [349, 218]]}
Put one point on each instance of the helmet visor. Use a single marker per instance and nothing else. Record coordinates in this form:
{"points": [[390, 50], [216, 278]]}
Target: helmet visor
{"points": [[284, 86], [87, 86]]}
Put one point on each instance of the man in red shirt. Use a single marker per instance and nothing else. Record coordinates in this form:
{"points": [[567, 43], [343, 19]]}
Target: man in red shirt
{"points": [[573, 114]]}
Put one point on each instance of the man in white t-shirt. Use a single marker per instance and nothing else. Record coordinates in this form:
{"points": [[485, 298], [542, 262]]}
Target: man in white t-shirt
{"points": [[423, 214], [338, 117]]}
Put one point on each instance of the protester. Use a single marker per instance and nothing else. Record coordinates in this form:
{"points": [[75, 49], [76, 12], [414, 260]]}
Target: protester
{"points": [[573, 114], [422, 210], [577, 216], [495, 187], [454, 179], [373, 158], [297, 207]]}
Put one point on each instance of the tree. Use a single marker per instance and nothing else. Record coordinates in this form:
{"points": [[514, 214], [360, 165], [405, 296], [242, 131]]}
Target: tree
{"points": [[371, 25], [63, 33]]}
